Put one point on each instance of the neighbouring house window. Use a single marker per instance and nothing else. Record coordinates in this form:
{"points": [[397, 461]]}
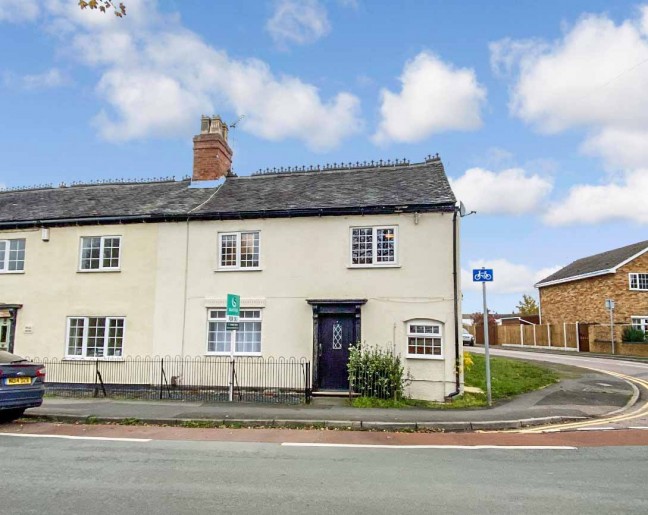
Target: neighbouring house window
{"points": [[239, 250], [95, 337], [100, 253], [639, 282], [373, 246], [248, 335], [640, 323], [12, 256], [424, 339]]}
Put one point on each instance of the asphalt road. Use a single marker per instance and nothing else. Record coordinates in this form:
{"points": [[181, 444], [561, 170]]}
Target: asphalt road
{"points": [[40, 475], [633, 369]]}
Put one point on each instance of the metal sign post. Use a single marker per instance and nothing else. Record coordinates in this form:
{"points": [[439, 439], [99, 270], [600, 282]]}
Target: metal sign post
{"points": [[485, 276], [232, 324], [609, 305]]}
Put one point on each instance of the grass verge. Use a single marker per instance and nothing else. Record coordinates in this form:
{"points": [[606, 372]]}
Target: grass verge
{"points": [[509, 377]]}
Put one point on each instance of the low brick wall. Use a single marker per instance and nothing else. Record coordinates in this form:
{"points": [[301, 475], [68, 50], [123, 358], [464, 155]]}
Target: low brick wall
{"points": [[621, 348]]}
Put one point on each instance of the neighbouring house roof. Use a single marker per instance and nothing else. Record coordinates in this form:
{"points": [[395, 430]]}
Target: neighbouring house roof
{"points": [[372, 189], [599, 264]]}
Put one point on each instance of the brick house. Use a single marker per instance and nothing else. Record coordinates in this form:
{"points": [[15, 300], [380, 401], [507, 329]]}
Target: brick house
{"points": [[577, 293]]}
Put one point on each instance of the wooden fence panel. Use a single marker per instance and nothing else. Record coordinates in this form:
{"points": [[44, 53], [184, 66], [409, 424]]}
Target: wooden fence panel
{"points": [[492, 334], [542, 337], [509, 334], [527, 332]]}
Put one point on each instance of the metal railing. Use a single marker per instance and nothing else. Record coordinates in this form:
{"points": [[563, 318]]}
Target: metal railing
{"points": [[204, 378]]}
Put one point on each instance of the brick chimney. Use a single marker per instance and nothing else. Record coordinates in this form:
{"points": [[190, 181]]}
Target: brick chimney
{"points": [[212, 154]]}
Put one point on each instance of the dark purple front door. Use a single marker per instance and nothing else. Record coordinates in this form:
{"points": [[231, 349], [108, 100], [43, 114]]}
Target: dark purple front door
{"points": [[336, 334]]}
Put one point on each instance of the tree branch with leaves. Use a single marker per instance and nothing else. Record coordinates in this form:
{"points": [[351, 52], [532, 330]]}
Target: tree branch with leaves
{"points": [[104, 6], [527, 306]]}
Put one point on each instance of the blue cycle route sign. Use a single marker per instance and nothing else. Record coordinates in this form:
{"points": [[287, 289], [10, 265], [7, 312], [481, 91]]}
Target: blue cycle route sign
{"points": [[483, 275]]}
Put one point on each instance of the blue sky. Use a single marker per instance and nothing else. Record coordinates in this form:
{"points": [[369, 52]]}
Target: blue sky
{"points": [[538, 109]]}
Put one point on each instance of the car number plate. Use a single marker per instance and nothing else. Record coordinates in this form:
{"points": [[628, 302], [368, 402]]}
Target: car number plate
{"points": [[18, 380]]}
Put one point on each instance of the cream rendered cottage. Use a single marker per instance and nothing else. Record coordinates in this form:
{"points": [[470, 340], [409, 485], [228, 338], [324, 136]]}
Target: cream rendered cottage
{"points": [[322, 259]]}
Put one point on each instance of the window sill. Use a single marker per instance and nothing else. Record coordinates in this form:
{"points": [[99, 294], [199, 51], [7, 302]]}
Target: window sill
{"points": [[251, 269], [86, 358], [12, 272], [236, 354], [107, 271], [395, 265], [424, 357]]}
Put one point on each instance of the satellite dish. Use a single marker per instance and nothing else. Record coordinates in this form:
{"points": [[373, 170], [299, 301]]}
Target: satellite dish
{"points": [[463, 211]]}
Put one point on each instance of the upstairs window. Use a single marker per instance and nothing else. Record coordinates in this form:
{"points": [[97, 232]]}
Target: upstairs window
{"points": [[95, 337], [100, 253], [373, 246], [424, 339], [639, 282], [12, 256], [238, 250]]}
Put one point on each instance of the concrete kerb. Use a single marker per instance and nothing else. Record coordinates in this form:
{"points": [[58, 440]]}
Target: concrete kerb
{"points": [[450, 427]]}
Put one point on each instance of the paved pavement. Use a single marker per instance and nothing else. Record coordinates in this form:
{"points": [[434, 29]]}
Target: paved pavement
{"points": [[581, 394], [49, 475]]}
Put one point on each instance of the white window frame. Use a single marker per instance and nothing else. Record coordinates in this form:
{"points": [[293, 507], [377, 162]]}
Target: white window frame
{"points": [[237, 266], [4, 264], [224, 319], [374, 249], [84, 342], [101, 268], [636, 275], [642, 324], [430, 323]]}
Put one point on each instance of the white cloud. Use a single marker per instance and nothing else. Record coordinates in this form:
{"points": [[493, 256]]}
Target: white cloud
{"points": [[435, 97], [157, 78], [589, 204], [52, 78], [17, 11], [512, 191], [508, 278], [298, 22], [595, 77]]}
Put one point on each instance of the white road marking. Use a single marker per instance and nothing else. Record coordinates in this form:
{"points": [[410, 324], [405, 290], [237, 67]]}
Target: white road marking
{"points": [[460, 447], [595, 428], [638, 427], [69, 437]]}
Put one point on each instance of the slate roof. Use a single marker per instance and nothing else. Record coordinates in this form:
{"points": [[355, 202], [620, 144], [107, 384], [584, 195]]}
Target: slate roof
{"points": [[100, 201], [422, 186], [598, 264]]}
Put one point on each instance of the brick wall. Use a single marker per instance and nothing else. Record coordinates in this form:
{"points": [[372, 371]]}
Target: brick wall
{"points": [[584, 300], [212, 157]]}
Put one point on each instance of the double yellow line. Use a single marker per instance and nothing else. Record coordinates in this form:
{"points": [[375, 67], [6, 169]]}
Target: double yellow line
{"points": [[638, 413]]}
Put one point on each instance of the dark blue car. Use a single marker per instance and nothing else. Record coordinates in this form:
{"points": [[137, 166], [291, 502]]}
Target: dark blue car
{"points": [[22, 385]]}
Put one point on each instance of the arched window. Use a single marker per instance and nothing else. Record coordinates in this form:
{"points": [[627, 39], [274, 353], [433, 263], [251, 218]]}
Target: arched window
{"points": [[424, 339]]}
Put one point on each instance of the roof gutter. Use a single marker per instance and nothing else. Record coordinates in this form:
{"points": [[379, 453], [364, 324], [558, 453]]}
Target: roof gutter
{"points": [[232, 215], [576, 277]]}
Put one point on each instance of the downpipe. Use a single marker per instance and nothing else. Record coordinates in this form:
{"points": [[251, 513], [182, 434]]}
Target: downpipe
{"points": [[455, 279]]}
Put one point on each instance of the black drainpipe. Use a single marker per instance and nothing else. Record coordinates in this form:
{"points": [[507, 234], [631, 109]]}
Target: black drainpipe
{"points": [[456, 307]]}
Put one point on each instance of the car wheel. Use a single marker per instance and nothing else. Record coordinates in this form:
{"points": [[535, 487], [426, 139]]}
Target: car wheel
{"points": [[10, 415]]}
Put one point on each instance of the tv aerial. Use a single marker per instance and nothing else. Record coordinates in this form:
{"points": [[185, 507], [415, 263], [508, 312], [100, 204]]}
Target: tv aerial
{"points": [[233, 125]]}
